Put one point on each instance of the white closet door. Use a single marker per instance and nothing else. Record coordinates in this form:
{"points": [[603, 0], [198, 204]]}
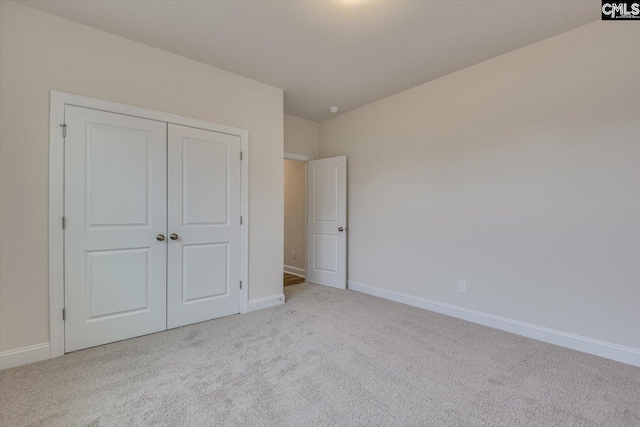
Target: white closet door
{"points": [[115, 207], [204, 225], [327, 222]]}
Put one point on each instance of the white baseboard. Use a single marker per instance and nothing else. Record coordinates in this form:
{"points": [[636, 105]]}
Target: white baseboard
{"points": [[38, 352], [604, 349], [25, 355], [300, 272], [266, 302]]}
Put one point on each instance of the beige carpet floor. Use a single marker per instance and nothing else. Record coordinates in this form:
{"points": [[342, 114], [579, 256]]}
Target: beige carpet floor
{"points": [[326, 358]]}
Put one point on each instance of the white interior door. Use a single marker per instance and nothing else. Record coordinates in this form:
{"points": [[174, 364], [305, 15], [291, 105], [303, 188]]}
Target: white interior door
{"points": [[115, 207], [327, 222], [204, 225]]}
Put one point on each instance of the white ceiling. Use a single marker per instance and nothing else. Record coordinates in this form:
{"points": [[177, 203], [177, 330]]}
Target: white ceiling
{"points": [[324, 53]]}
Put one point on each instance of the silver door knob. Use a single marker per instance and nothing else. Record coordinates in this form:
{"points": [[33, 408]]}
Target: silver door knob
{"points": [[160, 237], [341, 229], [173, 236]]}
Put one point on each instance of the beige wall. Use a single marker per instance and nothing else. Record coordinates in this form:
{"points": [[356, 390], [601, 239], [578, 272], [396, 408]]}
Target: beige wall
{"points": [[294, 213], [40, 52], [301, 136], [520, 175]]}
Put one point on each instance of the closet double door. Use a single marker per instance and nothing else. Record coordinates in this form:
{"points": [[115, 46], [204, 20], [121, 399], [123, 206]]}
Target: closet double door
{"points": [[152, 233]]}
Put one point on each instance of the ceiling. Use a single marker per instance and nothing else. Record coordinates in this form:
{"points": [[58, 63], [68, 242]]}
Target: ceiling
{"points": [[324, 53]]}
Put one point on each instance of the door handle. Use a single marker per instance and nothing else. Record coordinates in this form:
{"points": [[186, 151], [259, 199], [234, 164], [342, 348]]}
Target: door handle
{"points": [[341, 229], [160, 237], [173, 236]]}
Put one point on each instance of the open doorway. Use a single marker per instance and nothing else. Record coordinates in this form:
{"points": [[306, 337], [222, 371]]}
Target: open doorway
{"points": [[315, 220], [295, 199]]}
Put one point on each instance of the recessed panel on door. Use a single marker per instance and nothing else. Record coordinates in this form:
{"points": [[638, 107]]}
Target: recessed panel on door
{"points": [[205, 177], [115, 207], [205, 272], [325, 193], [325, 249], [117, 169], [117, 282], [204, 225]]}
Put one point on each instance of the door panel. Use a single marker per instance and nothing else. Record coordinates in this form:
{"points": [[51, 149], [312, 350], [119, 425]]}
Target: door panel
{"points": [[117, 282], [204, 271], [325, 187], [204, 214], [115, 205], [205, 186], [107, 147], [326, 252], [326, 216]]}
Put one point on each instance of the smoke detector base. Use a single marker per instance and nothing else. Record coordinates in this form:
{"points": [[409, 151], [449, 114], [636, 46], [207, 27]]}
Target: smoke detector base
{"points": [[334, 110]]}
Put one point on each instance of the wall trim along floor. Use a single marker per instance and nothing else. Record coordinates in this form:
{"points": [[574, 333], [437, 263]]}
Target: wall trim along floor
{"points": [[266, 302], [604, 349], [300, 272], [38, 352], [23, 355]]}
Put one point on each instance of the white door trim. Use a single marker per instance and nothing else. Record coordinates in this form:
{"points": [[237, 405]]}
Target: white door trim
{"points": [[58, 100]]}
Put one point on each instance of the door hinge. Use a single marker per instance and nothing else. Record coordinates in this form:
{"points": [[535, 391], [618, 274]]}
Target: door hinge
{"points": [[64, 314], [240, 284], [64, 130], [240, 220], [64, 222], [241, 155]]}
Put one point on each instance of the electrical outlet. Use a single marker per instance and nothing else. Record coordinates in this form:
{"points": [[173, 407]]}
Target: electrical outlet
{"points": [[462, 285], [294, 254]]}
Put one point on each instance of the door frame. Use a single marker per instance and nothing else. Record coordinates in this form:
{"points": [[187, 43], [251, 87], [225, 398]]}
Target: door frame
{"points": [[303, 159], [58, 101]]}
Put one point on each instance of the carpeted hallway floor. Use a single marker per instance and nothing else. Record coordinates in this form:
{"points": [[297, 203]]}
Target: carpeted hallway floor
{"points": [[327, 357]]}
